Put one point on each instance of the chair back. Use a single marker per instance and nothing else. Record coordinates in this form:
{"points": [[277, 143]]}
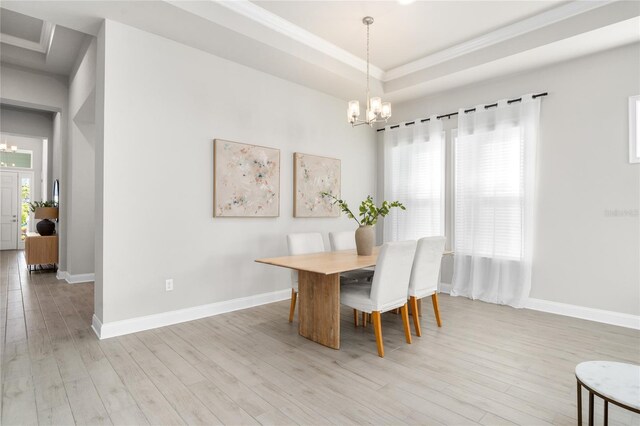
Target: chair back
{"points": [[342, 240], [303, 243], [391, 278], [426, 267]]}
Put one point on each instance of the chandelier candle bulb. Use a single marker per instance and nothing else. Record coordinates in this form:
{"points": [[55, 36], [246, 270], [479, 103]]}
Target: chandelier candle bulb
{"points": [[354, 109], [8, 148], [386, 110], [376, 105]]}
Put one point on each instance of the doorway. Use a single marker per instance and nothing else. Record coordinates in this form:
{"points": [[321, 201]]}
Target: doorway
{"points": [[9, 211], [16, 194]]}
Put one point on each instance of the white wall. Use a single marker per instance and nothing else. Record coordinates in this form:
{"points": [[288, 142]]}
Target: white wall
{"points": [[582, 255], [163, 104], [80, 188]]}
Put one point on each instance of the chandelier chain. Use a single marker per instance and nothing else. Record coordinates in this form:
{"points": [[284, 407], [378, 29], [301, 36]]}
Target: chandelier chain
{"points": [[368, 102]]}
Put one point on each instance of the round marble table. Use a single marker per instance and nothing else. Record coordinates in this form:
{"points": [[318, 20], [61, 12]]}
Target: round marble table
{"points": [[615, 382]]}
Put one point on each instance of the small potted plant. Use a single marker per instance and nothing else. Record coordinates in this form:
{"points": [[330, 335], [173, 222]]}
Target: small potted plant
{"points": [[45, 210], [369, 213]]}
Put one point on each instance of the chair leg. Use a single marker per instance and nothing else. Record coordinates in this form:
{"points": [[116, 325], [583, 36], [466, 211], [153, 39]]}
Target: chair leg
{"points": [[292, 309], [413, 301], [436, 309], [404, 311], [364, 319], [377, 328], [355, 317]]}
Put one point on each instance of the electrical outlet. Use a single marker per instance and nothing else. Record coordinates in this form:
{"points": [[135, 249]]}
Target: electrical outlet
{"points": [[169, 285]]}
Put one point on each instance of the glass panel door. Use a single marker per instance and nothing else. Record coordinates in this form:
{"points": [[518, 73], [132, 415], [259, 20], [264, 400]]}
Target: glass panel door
{"points": [[26, 218]]}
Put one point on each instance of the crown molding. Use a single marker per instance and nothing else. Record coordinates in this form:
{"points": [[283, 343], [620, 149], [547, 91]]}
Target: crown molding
{"points": [[274, 22], [43, 46], [46, 36], [294, 32], [22, 43], [533, 23]]}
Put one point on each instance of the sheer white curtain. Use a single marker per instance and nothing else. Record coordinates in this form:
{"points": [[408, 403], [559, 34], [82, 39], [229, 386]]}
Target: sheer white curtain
{"points": [[495, 159], [414, 175]]}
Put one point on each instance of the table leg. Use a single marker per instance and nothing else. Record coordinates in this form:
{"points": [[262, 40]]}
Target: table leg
{"points": [[606, 412], [319, 308], [590, 408], [579, 393]]}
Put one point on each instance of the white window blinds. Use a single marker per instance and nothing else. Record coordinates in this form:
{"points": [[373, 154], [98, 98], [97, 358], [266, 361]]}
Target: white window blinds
{"points": [[414, 175], [489, 192]]}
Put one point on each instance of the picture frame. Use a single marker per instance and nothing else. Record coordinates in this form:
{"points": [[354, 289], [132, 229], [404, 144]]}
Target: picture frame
{"points": [[312, 175], [246, 180]]}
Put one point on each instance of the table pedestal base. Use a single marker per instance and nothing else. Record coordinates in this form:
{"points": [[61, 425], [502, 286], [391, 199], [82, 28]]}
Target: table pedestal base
{"points": [[319, 308]]}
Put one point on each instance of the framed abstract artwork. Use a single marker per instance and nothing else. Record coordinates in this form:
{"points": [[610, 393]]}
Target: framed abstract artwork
{"points": [[313, 175], [246, 180]]}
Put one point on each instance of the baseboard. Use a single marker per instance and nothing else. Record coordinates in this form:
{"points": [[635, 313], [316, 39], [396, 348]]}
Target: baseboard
{"points": [[591, 314], [75, 278], [444, 288], [133, 325], [96, 325]]}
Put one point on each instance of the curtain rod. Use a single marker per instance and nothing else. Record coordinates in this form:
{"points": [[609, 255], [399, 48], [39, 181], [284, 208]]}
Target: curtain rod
{"points": [[510, 101]]}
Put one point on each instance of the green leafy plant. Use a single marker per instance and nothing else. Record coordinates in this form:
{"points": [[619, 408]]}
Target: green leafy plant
{"points": [[25, 193], [36, 204], [368, 211]]}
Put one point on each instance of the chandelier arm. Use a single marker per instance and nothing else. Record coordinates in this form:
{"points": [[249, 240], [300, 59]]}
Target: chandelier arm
{"points": [[377, 119]]}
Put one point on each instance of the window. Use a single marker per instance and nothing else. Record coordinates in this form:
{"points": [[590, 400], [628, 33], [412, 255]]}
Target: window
{"points": [[25, 209], [489, 193], [19, 159], [415, 177]]}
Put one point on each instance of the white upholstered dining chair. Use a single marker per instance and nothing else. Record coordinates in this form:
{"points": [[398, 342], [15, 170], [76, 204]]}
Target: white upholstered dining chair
{"points": [[344, 240], [387, 291], [424, 277], [303, 243]]}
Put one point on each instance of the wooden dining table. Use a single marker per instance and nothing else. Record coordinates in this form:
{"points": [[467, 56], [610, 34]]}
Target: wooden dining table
{"points": [[319, 289]]}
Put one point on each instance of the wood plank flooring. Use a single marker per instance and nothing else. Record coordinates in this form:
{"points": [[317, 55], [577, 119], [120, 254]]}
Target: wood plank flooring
{"points": [[488, 364]]}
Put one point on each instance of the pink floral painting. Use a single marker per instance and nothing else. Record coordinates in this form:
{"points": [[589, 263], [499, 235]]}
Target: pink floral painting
{"points": [[246, 180], [314, 175]]}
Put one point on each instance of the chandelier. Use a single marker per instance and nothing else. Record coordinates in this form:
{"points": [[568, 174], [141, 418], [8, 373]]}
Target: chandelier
{"points": [[377, 110], [5, 148]]}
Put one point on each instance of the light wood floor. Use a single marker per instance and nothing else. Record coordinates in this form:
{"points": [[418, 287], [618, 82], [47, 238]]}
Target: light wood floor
{"points": [[488, 365]]}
